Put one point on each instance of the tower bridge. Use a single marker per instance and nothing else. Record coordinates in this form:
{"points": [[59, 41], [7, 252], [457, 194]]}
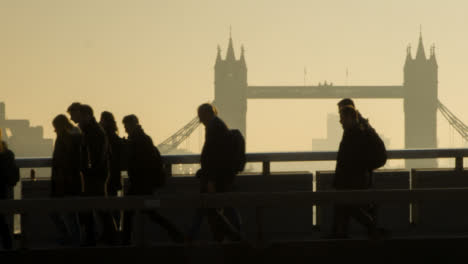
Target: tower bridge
{"points": [[419, 92]]}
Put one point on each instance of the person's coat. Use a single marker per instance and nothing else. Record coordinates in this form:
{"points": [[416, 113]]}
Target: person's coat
{"points": [[66, 179]]}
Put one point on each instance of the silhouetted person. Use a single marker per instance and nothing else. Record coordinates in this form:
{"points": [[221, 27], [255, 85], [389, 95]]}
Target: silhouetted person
{"points": [[9, 175], [94, 167], [114, 183], [215, 174], [66, 179], [352, 171], [74, 111], [144, 175]]}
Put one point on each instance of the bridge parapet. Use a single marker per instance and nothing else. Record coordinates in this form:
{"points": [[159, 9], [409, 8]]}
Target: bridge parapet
{"points": [[392, 187]]}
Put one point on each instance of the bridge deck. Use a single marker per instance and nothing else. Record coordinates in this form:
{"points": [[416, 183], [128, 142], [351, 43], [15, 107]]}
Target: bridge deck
{"points": [[395, 250]]}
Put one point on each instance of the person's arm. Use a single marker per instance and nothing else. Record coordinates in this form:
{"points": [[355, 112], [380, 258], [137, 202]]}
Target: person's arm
{"points": [[97, 149]]}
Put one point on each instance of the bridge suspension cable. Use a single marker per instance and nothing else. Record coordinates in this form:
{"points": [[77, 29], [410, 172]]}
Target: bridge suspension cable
{"points": [[454, 121], [177, 138]]}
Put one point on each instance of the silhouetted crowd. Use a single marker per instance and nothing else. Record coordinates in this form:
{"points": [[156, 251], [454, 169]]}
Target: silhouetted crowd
{"points": [[88, 159]]}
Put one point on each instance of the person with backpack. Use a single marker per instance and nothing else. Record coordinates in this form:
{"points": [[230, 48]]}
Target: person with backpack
{"points": [[145, 175], [9, 176], [221, 159], [360, 152]]}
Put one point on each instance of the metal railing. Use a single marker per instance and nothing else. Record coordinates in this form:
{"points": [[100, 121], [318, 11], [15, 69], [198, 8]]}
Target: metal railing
{"points": [[256, 200], [266, 158]]}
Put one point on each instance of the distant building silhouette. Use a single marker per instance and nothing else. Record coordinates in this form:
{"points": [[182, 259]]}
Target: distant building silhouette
{"points": [[24, 140], [334, 133]]}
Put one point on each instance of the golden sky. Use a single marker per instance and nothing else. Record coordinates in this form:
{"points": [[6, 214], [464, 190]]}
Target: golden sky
{"points": [[155, 59]]}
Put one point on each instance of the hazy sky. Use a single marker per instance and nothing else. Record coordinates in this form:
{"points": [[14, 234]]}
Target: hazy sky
{"points": [[155, 59]]}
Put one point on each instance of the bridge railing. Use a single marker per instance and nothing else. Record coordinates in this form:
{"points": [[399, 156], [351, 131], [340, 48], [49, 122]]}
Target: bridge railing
{"points": [[266, 158], [256, 200], [252, 200]]}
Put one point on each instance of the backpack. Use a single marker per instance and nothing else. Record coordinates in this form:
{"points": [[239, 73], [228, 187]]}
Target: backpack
{"points": [[377, 151], [237, 150], [160, 172]]}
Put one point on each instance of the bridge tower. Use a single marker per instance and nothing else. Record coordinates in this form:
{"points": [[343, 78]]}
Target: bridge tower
{"points": [[420, 102], [231, 88]]}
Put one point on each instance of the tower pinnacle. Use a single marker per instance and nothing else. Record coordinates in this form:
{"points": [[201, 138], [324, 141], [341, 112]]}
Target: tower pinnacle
{"points": [[230, 51], [420, 54]]}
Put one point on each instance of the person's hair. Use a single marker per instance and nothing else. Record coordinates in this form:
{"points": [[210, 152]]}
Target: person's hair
{"points": [[86, 110], [207, 108], [74, 106], [130, 119], [346, 101], [61, 123], [107, 122]]}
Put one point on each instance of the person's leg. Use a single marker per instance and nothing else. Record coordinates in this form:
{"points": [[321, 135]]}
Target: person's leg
{"points": [[5, 233], [116, 215], [362, 216], [232, 224], [216, 225], [74, 226], [197, 221], [104, 216], [340, 221], [86, 219], [88, 225], [61, 226], [171, 229], [127, 227], [109, 231]]}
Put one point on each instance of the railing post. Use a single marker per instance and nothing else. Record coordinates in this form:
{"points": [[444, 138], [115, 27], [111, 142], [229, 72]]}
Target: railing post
{"points": [[266, 168], [459, 163], [168, 167]]}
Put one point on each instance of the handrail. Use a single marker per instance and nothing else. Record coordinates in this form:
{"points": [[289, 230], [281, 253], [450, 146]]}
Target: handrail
{"points": [[235, 199], [283, 156], [266, 158]]}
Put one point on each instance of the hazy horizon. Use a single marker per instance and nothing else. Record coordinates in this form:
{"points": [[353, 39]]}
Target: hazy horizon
{"points": [[155, 59]]}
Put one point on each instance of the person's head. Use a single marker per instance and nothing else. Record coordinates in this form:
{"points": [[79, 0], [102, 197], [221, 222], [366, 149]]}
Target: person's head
{"points": [[348, 117], [74, 111], [206, 112], [86, 113], [345, 102], [61, 124], [131, 123], [107, 122]]}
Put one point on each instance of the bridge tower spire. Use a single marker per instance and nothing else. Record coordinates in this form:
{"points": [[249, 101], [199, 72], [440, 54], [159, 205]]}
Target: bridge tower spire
{"points": [[230, 83], [420, 103]]}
